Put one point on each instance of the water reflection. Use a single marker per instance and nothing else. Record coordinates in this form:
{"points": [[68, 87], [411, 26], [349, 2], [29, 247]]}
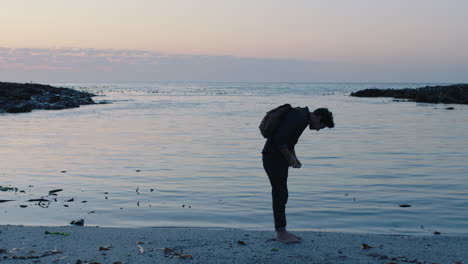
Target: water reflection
{"points": [[194, 156]]}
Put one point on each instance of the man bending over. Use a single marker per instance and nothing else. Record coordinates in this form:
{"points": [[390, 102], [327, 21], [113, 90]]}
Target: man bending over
{"points": [[279, 155]]}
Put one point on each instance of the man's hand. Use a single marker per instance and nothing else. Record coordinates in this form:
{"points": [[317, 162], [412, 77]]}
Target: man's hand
{"points": [[298, 163], [295, 163], [291, 158]]}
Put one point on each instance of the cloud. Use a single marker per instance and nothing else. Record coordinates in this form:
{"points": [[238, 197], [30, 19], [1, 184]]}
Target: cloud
{"points": [[136, 65], [108, 65]]}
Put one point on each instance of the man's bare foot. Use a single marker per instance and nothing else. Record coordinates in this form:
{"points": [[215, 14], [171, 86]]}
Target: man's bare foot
{"points": [[298, 237], [287, 238]]}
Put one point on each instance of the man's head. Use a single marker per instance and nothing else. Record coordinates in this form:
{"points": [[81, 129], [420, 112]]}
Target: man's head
{"points": [[321, 118]]}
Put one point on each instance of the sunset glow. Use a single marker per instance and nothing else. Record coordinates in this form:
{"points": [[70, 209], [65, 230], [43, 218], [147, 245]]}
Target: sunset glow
{"points": [[363, 31]]}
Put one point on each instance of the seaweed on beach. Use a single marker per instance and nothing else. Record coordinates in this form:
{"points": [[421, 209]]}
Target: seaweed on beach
{"points": [[56, 233], [11, 254], [366, 246], [44, 203], [8, 189], [172, 253]]}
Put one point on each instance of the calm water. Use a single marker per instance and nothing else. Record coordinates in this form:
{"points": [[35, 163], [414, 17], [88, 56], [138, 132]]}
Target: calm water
{"points": [[188, 154]]}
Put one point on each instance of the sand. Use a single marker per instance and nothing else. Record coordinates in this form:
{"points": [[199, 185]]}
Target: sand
{"points": [[74, 244]]}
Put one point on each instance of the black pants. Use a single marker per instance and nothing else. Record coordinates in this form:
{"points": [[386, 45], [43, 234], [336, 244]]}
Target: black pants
{"points": [[276, 167]]}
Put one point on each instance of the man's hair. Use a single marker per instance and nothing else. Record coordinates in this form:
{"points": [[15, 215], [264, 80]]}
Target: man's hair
{"points": [[326, 117]]}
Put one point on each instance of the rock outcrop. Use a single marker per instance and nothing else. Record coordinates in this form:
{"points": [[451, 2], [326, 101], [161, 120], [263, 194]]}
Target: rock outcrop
{"points": [[20, 98], [451, 94]]}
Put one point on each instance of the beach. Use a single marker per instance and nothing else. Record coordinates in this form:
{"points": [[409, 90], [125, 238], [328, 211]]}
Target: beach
{"points": [[171, 173], [133, 132], [73, 244], [188, 155]]}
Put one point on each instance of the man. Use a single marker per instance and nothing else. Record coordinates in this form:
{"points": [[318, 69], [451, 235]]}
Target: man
{"points": [[279, 155]]}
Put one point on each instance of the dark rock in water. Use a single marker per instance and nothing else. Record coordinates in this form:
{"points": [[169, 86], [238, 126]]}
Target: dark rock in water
{"points": [[55, 191], [21, 98], [38, 200], [20, 108], [451, 94], [78, 222], [450, 108]]}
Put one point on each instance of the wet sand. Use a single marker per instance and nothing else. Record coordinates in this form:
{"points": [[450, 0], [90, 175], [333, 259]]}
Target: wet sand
{"points": [[75, 244]]}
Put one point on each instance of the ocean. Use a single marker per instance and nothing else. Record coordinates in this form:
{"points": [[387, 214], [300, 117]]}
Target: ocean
{"points": [[188, 155]]}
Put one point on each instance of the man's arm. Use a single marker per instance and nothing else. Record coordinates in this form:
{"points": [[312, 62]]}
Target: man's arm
{"points": [[288, 129], [290, 157], [294, 153]]}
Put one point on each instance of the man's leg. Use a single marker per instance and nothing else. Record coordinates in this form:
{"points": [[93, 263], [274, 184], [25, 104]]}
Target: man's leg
{"points": [[276, 167]]}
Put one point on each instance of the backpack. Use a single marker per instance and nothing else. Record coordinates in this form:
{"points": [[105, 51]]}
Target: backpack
{"points": [[272, 120]]}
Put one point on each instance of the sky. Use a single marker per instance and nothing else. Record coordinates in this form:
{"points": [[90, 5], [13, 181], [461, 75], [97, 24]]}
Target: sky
{"points": [[234, 40]]}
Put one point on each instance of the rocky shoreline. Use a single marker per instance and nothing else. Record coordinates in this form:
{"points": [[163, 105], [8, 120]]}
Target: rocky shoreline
{"points": [[21, 98], [451, 94]]}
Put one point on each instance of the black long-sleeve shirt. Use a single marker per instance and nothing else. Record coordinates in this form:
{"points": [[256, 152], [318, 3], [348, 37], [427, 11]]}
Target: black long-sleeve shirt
{"points": [[289, 130]]}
